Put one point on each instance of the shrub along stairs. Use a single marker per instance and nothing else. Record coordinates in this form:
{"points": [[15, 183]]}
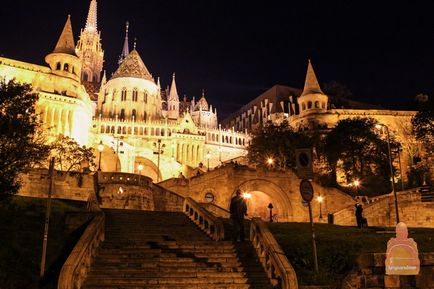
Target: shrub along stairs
{"points": [[144, 249]]}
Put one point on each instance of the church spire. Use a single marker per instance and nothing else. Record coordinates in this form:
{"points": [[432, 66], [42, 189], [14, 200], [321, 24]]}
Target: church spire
{"points": [[311, 85], [91, 24], [125, 49], [173, 94], [65, 44]]}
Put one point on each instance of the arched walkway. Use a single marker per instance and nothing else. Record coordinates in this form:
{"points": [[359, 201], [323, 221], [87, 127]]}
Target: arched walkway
{"points": [[149, 168]]}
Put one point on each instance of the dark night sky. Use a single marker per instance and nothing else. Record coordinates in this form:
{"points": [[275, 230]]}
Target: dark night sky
{"points": [[382, 50]]}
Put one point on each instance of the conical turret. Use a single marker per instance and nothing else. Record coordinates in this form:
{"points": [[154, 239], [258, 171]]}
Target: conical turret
{"points": [[65, 44], [311, 85], [173, 100], [63, 60], [125, 48], [312, 99]]}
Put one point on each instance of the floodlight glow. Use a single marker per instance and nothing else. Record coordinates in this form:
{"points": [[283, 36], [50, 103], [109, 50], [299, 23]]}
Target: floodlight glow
{"points": [[247, 195]]}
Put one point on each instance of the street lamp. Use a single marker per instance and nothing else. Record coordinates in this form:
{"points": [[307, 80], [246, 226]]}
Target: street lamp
{"points": [[380, 126], [270, 162], [208, 156], [100, 149], [140, 168], [119, 143], [320, 199], [159, 151], [356, 184], [270, 207]]}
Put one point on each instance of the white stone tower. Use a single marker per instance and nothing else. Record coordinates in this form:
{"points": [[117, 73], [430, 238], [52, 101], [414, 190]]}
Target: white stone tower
{"points": [[173, 101]]}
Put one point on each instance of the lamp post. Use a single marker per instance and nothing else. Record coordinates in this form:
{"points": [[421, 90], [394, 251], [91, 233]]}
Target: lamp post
{"points": [[159, 151], [400, 168], [118, 144], [320, 199], [208, 156], [380, 126], [100, 149], [140, 168], [356, 184], [270, 207]]}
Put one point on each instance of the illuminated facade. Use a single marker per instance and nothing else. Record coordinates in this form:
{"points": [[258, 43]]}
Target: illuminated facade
{"points": [[141, 131]]}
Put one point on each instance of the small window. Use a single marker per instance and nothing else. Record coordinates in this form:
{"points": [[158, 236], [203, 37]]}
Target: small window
{"points": [[66, 67], [309, 105], [303, 106], [135, 94], [58, 66], [124, 94], [133, 114], [122, 116], [209, 197], [316, 104]]}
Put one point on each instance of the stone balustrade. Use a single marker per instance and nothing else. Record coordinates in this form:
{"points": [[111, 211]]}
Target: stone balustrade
{"points": [[77, 265], [216, 210], [212, 225], [273, 259]]}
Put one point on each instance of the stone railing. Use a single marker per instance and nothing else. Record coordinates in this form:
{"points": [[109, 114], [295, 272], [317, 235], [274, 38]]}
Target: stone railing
{"points": [[216, 210], [212, 225], [77, 265], [272, 257]]}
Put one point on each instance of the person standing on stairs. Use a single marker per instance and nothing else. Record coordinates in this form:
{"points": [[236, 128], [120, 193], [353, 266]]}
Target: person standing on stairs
{"points": [[238, 209]]}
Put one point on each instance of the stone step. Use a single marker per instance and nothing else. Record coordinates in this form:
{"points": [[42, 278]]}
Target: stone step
{"points": [[167, 274], [184, 286]]}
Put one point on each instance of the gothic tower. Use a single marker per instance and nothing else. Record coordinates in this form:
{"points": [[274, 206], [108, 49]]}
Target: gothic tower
{"points": [[63, 61], [173, 101], [90, 52]]}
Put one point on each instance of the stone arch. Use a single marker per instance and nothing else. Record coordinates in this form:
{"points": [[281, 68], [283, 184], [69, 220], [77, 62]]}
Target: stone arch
{"points": [[108, 159], [264, 188], [150, 169]]}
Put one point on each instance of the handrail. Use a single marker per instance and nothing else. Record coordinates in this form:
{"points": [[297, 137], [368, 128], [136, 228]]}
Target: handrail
{"points": [[216, 210], [273, 259], [212, 225], [77, 265]]}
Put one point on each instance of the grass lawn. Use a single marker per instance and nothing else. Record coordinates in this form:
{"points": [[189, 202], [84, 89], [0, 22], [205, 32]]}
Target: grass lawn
{"points": [[21, 230], [337, 246]]}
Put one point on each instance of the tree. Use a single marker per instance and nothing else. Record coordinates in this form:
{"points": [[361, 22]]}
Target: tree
{"points": [[354, 148], [70, 156], [277, 142], [423, 127], [21, 139]]}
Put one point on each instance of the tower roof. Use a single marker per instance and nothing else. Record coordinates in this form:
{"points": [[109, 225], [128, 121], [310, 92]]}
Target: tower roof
{"points": [[202, 104], [91, 24], [65, 44], [125, 48], [311, 85], [133, 66], [173, 94]]}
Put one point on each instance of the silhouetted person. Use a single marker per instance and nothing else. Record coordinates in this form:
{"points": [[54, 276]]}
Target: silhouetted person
{"points": [[238, 209], [359, 215]]}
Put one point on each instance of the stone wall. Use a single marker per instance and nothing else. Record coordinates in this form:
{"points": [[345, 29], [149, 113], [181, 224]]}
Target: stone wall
{"points": [[281, 187], [381, 211], [113, 190], [370, 273], [72, 186]]}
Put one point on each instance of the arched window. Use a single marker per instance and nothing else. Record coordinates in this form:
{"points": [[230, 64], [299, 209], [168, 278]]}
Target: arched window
{"points": [[122, 116], [135, 94], [66, 67], [124, 94], [133, 114], [144, 115], [303, 106], [316, 104], [309, 105], [58, 66], [145, 97], [114, 95]]}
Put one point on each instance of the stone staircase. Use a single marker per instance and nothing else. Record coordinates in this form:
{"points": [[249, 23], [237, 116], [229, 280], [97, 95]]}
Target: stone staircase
{"points": [[426, 194], [166, 250]]}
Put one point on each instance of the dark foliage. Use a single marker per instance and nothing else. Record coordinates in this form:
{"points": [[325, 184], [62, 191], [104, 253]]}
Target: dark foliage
{"points": [[277, 142], [21, 141]]}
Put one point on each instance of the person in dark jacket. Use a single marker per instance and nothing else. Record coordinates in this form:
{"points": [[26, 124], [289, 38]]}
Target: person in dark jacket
{"points": [[238, 209], [359, 215]]}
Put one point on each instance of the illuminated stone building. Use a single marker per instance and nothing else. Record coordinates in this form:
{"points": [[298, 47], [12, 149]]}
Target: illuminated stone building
{"points": [[141, 131], [311, 109]]}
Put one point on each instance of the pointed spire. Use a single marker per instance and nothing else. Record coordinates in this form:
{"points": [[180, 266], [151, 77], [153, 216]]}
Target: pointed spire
{"points": [[158, 83], [311, 85], [203, 92], [91, 24], [104, 78], [125, 49], [173, 94], [65, 44]]}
